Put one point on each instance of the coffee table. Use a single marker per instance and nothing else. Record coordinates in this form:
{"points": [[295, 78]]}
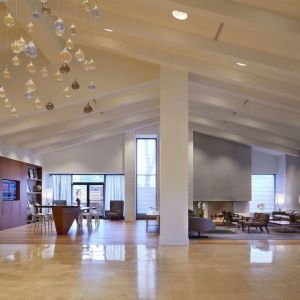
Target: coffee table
{"points": [[284, 224]]}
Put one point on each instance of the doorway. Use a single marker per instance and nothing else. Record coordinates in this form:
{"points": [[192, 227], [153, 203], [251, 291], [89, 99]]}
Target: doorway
{"points": [[90, 194]]}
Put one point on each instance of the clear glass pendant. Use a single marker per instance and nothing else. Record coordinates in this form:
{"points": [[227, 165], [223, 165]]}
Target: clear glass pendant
{"points": [[30, 86], [6, 103], [67, 92], [72, 31], [46, 11], [36, 14], [95, 11], [44, 72], [6, 73], [49, 105], [92, 64], [14, 112], [58, 76], [30, 27], [2, 92], [16, 61], [15, 47], [59, 27], [79, 55], [88, 109], [86, 5], [9, 20], [22, 44], [86, 65], [70, 44], [65, 56], [31, 50], [38, 103], [31, 68], [29, 94], [92, 87]]}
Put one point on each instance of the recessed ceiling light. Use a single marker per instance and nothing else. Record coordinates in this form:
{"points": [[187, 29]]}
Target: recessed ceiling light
{"points": [[241, 64], [179, 15], [108, 29]]}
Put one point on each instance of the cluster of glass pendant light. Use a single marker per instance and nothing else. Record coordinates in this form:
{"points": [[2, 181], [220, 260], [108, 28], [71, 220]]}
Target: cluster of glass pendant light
{"points": [[30, 50]]}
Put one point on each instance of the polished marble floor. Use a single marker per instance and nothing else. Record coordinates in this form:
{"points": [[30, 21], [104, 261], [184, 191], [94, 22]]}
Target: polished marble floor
{"points": [[119, 260]]}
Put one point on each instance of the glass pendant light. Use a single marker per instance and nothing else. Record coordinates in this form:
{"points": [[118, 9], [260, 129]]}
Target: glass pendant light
{"points": [[67, 92], [36, 14], [88, 109], [64, 69], [44, 72], [95, 11], [65, 56], [92, 87], [30, 85], [70, 44], [6, 103], [79, 55], [2, 92], [29, 94], [6, 73], [46, 11], [31, 68], [86, 5], [22, 44], [75, 85], [9, 20], [14, 112], [59, 27], [72, 31], [30, 27], [49, 105], [38, 103], [16, 61], [31, 50], [92, 64], [15, 47], [58, 76], [86, 65]]}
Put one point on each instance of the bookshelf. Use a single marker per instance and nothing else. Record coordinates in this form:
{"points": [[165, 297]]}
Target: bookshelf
{"points": [[34, 184]]}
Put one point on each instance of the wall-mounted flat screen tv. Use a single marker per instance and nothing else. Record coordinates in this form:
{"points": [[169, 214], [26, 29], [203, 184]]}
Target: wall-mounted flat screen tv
{"points": [[10, 190]]}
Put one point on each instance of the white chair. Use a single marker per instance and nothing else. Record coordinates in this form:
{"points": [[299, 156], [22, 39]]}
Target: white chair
{"points": [[96, 215], [38, 218], [88, 217]]}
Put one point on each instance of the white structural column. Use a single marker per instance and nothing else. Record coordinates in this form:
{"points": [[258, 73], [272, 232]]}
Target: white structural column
{"points": [[130, 178], [174, 164]]}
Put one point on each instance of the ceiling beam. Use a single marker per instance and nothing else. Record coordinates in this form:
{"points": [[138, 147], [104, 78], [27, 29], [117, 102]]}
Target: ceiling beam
{"points": [[91, 138]]}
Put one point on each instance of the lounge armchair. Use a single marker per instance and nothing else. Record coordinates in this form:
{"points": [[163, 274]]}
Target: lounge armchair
{"points": [[260, 220], [116, 210]]}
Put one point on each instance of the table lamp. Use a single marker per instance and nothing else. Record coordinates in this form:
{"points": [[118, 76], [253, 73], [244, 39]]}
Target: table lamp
{"points": [[280, 201]]}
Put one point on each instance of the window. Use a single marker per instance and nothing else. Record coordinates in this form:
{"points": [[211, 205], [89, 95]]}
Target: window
{"points": [[146, 175], [263, 191]]}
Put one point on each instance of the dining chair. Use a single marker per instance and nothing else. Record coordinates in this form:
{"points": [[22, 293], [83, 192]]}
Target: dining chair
{"points": [[37, 217]]}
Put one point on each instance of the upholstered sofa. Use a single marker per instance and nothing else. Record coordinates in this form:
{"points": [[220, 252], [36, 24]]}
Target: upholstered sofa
{"points": [[200, 225], [289, 215]]}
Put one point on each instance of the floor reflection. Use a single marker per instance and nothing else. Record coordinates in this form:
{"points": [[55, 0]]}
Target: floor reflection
{"points": [[262, 255], [103, 252]]}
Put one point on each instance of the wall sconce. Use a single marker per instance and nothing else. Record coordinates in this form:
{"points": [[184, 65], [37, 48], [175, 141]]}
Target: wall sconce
{"points": [[280, 201]]}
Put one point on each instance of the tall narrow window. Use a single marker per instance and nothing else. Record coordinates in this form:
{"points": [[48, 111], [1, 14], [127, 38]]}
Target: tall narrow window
{"points": [[263, 192], [146, 175]]}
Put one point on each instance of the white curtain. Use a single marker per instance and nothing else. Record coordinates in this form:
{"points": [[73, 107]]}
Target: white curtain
{"points": [[62, 187], [114, 189]]}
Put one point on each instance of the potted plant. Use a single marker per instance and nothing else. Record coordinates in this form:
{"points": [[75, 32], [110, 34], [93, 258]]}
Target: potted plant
{"points": [[200, 210]]}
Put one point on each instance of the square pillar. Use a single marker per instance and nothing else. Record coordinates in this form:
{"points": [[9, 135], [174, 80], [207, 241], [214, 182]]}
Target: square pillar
{"points": [[174, 162]]}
